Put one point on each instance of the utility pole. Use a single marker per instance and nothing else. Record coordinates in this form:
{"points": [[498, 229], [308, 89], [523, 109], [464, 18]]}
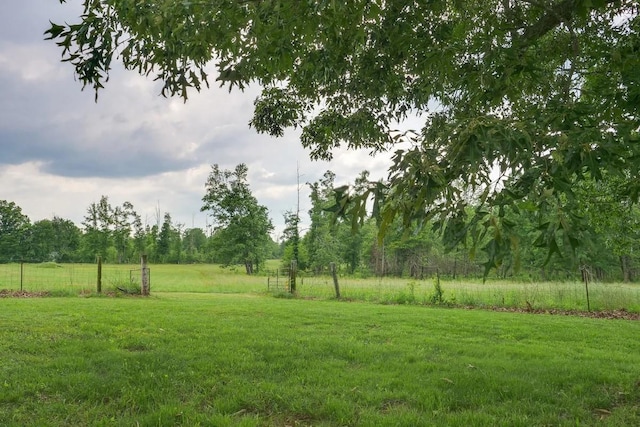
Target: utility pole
{"points": [[296, 236]]}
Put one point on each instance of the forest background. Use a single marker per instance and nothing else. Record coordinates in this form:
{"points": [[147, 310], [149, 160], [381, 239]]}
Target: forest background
{"points": [[609, 250]]}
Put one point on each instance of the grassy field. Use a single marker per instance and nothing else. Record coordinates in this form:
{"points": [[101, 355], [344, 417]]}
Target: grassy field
{"points": [[254, 360], [72, 279], [82, 278]]}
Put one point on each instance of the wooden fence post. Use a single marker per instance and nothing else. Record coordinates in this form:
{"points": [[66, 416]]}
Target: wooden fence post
{"points": [[586, 275], [99, 281], [335, 279], [144, 278], [292, 276], [21, 274]]}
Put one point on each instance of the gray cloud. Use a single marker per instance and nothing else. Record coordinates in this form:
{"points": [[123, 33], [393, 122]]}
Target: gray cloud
{"points": [[60, 151], [27, 20]]}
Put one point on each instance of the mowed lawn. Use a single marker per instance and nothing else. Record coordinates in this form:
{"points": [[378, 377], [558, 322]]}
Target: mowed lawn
{"points": [[247, 360]]}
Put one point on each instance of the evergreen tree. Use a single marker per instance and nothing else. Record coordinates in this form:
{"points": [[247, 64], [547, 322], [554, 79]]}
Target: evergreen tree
{"points": [[164, 239]]}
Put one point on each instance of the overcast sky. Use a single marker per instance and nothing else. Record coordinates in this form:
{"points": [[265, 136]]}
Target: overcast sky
{"points": [[60, 151]]}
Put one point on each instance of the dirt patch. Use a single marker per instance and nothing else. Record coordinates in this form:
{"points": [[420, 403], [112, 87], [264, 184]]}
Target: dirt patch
{"points": [[610, 314], [5, 293]]}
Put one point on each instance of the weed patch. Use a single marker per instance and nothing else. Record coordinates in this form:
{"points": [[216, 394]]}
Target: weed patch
{"points": [[5, 293], [48, 265]]}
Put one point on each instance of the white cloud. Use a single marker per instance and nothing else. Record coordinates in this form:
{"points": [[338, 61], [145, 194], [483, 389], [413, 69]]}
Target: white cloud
{"points": [[30, 63], [60, 151]]}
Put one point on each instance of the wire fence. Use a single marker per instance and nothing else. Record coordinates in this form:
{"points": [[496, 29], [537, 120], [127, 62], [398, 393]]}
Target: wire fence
{"points": [[80, 278], [528, 295], [67, 279]]}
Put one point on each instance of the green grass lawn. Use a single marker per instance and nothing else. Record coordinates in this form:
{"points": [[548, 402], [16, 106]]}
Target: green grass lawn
{"points": [[232, 359]]}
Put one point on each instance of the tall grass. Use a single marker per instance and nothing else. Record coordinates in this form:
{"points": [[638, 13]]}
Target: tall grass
{"points": [[205, 278], [493, 293]]}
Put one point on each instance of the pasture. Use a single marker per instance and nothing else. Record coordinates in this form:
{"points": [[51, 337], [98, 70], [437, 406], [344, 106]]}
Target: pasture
{"points": [[211, 346], [74, 279], [253, 360]]}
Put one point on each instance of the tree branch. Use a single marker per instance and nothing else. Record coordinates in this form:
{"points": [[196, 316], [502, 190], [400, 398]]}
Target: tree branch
{"points": [[560, 12]]}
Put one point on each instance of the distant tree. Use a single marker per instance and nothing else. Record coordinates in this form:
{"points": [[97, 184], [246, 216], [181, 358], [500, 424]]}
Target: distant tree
{"points": [[291, 240], [54, 239], [41, 241], [275, 251], [177, 254], [164, 239], [321, 241], [242, 225], [615, 220], [66, 241], [97, 237], [194, 243], [350, 236], [151, 242], [139, 236], [122, 222], [14, 229], [291, 248]]}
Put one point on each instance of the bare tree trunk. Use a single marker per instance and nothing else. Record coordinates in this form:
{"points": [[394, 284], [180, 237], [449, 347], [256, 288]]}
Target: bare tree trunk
{"points": [[334, 274], [625, 265]]}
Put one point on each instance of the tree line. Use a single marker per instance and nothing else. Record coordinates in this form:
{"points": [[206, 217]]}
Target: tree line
{"points": [[114, 233], [606, 222], [117, 233], [240, 235]]}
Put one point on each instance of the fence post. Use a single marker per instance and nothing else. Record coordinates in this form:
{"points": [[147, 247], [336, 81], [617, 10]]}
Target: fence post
{"points": [[586, 275], [21, 274], [99, 281], [144, 279], [335, 279], [292, 276]]}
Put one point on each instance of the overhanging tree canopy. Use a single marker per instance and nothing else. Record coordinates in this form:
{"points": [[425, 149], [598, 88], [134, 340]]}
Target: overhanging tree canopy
{"points": [[519, 98]]}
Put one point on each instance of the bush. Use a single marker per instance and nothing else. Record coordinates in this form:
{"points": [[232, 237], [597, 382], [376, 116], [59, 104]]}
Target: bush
{"points": [[438, 293]]}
